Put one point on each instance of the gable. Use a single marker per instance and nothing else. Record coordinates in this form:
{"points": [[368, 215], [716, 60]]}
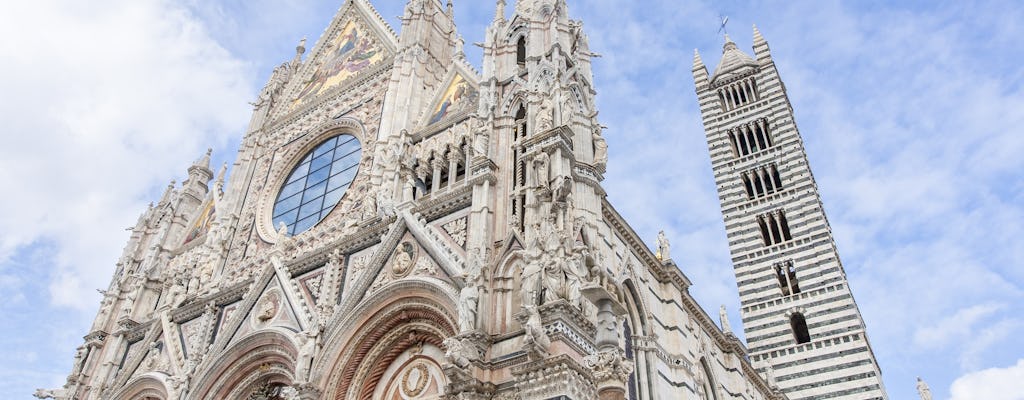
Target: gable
{"points": [[459, 95], [356, 40]]}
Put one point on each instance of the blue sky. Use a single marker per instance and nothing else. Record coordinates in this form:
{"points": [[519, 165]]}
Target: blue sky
{"points": [[911, 113]]}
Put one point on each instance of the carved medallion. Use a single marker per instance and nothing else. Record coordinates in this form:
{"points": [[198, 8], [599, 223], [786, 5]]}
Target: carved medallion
{"points": [[415, 380], [403, 260]]}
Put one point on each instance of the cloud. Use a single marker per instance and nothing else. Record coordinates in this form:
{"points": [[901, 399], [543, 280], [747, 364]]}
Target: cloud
{"points": [[991, 384], [103, 103], [955, 327]]}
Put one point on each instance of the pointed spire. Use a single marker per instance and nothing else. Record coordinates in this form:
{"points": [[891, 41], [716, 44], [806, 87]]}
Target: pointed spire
{"points": [[204, 161], [700, 72], [758, 39], [697, 61], [299, 51], [761, 50]]}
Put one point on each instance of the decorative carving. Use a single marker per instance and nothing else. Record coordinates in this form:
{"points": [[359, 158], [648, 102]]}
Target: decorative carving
{"points": [[469, 298], [267, 309], [545, 115], [457, 231], [609, 366], [307, 341], [542, 170], [723, 316], [403, 259], [600, 150], [663, 247], [415, 379], [535, 341], [923, 390]]}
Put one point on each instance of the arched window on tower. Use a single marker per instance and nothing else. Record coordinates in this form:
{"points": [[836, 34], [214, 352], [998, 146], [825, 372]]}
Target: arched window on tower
{"points": [[799, 325], [786, 273], [521, 51]]}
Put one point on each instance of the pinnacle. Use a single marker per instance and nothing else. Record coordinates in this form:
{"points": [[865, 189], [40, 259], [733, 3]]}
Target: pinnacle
{"points": [[697, 61], [758, 39]]}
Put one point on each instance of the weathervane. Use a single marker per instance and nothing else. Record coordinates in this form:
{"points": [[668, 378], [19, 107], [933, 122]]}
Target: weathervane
{"points": [[724, 22]]}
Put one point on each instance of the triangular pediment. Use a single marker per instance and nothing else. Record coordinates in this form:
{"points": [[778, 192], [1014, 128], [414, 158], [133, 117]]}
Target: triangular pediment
{"points": [[408, 260], [459, 94], [272, 308], [356, 40]]}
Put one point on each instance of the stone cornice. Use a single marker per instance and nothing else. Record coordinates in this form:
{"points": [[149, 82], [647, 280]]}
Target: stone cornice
{"points": [[663, 272], [445, 203]]}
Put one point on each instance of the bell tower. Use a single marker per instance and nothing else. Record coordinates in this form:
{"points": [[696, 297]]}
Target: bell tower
{"points": [[803, 327]]}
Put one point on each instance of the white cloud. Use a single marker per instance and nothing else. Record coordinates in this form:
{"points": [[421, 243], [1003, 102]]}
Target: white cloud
{"points": [[991, 384], [102, 102], [955, 327]]}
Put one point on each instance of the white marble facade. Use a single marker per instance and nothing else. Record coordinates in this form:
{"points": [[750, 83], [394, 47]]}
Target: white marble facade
{"points": [[462, 247]]}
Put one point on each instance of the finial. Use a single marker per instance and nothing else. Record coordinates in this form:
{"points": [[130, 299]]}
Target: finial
{"points": [[723, 314], [301, 48], [451, 9], [499, 13]]}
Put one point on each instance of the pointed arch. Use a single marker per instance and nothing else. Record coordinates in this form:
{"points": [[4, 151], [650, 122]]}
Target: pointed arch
{"points": [[358, 351], [707, 390], [148, 386], [265, 357]]}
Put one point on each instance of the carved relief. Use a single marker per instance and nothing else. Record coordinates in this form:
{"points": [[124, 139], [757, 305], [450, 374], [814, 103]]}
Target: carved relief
{"points": [[402, 260], [457, 231]]}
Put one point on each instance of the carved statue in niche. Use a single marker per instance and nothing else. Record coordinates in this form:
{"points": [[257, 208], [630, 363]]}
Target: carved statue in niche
{"points": [[542, 170], [469, 299], [307, 341], [402, 262], [545, 116], [568, 108], [481, 139], [600, 150], [370, 204]]}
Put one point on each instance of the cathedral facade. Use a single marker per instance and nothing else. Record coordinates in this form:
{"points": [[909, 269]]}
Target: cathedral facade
{"points": [[399, 225]]}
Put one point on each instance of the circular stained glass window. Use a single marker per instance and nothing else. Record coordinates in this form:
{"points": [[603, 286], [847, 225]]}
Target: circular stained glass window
{"points": [[317, 184]]}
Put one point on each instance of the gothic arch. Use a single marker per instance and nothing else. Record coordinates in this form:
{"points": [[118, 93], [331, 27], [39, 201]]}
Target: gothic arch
{"points": [[641, 383], [359, 350], [505, 301], [267, 356], [289, 155], [706, 389], [148, 386]]}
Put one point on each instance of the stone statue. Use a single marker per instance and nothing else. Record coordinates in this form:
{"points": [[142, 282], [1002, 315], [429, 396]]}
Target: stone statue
{"points": [[469, 299], [459, 353], [545, 116], [481, 140], [600, 150], [663, 247], [542, 170], [723, 316], [49, 393], [80, 355], [923, 390], [535, 339], [531, 281], [307, 348]]}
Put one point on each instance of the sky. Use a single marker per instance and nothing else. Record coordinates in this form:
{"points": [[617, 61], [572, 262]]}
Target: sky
{"points": [[911, 113]]}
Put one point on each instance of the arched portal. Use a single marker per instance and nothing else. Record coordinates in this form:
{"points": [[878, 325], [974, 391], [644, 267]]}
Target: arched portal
{"points": [[258, 363], [407, 320]]}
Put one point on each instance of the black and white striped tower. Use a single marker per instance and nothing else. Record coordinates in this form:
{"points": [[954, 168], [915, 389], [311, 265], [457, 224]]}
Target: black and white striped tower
{"points": [[803, 327]]}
